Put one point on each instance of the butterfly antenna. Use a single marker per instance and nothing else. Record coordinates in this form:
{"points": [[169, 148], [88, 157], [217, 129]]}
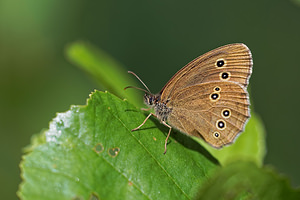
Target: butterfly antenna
{"points": [[148, 91], [137, 89]]}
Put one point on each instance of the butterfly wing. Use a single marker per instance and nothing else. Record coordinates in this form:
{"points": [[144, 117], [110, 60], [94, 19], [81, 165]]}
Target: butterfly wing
{"points": [[231, 62], [208, 96], [214, 111]]}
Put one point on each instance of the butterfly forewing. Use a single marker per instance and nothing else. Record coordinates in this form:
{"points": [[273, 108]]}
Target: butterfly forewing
{"points": [[231, 62]]}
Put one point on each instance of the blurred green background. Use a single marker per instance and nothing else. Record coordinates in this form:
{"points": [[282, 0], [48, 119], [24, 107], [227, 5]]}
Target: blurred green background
{"points": [[154, 39]]}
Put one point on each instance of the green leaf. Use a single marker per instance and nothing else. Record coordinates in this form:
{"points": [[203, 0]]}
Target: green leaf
{"points": [[244, 180], [249, 146], [89, 152], [109, 73]]}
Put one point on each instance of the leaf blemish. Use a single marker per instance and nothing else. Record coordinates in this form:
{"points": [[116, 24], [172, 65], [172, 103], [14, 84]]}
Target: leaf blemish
{"points": [[154, 138], [98, 148], [108, 108], [113, 152]]}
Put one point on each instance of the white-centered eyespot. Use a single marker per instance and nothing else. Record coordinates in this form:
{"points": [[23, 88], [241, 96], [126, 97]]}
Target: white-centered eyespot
{"points": [[221, 124], [216, 134], [214, 96], [220, 63], [225, 76], [217, 89], [226, 113]]}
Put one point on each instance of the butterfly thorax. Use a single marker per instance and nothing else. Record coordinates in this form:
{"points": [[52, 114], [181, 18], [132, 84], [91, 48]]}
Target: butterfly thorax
{"points": [[161, 109]]}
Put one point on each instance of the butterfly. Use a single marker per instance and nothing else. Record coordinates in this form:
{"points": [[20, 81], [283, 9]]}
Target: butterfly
{"points": [[207, 98]]}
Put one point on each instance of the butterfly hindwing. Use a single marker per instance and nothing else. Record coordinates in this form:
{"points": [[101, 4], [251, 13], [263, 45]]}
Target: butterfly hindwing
{"points": [[215, 111]]}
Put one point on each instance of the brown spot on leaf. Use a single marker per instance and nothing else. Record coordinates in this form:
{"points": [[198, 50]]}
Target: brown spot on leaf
{"points": [[98, 148], [113, 152]]}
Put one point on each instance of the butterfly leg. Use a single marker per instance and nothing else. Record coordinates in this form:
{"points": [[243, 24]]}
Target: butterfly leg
{"points": [[163, 122], [170, 128], [143, 122]]}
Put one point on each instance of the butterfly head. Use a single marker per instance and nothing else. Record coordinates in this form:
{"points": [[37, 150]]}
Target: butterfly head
{"points": [[150, 99]]}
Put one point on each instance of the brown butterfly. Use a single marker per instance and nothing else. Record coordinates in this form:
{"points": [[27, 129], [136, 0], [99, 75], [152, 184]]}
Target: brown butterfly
{"points": [[208, 97]]}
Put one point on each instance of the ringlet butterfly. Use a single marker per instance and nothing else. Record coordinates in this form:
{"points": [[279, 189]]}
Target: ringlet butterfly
{"points": [[207, 98]]}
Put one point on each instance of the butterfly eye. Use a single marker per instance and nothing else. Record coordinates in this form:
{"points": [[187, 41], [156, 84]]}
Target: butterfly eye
{"points": [[220, 63], [226, 113], [216, 134], [224, 75], [150, 100], [221, 124]]}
